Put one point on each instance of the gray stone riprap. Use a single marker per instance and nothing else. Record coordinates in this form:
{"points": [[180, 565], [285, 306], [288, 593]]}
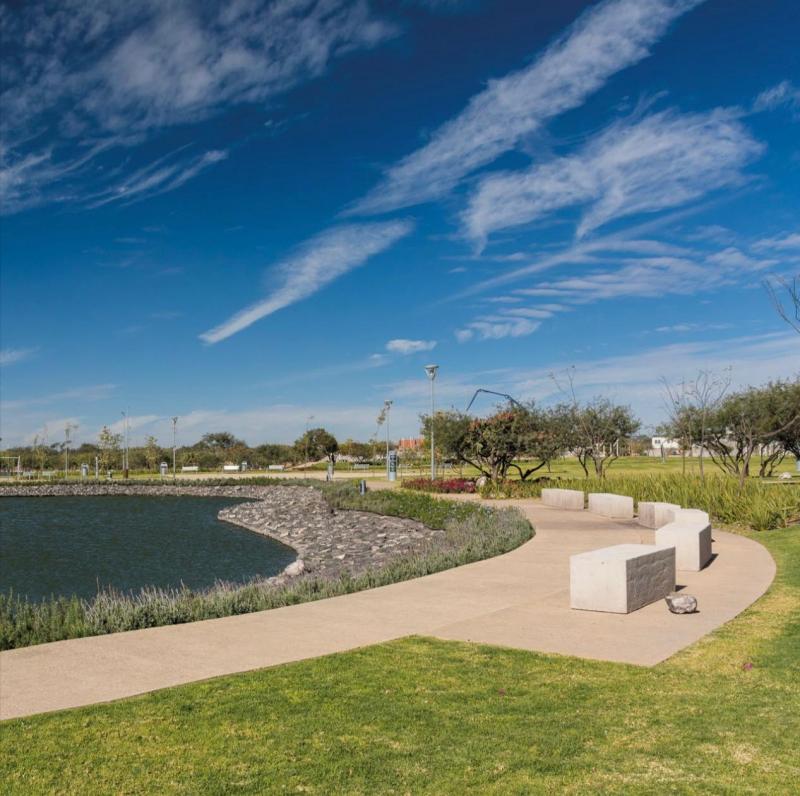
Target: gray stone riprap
{"points": [[328, 543]]}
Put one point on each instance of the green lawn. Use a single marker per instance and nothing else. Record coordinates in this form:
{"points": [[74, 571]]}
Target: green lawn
{"points": [[631, 465], [566, 467], [425, 716]]}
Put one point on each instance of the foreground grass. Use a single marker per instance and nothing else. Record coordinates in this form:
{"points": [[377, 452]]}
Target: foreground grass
{"points": [[424, 716]]}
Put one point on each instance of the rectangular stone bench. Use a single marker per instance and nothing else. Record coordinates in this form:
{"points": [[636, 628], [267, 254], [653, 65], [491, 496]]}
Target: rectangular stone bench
{"points": [[563, 499], [622, 578], [691, 538], [695, 516], [654, 515], [608, 505]]}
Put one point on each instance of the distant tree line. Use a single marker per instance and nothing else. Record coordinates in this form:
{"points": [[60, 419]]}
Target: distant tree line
{"points": [[211, 452], [520, 440]]}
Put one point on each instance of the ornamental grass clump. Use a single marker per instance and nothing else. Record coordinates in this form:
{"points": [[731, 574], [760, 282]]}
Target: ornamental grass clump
{"points": [[471, 533], [755, 504]]}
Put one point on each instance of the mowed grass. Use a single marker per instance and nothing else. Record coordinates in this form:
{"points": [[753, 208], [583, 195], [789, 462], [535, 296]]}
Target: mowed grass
{"points": [[639, 465], [426, 716]]}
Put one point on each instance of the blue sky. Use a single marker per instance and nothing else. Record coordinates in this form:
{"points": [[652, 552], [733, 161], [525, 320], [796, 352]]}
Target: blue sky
{"points": [[251, 213]]}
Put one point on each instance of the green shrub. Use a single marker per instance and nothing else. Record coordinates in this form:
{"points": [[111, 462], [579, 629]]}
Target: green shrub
{"points": [[472, 533], [758, 505]]}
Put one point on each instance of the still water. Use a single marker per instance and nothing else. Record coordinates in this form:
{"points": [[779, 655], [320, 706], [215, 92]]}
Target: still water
{"points": [[73, 545]]}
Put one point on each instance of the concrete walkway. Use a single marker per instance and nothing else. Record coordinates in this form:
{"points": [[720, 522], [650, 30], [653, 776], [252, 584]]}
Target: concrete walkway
{"points": [[518, 600]]}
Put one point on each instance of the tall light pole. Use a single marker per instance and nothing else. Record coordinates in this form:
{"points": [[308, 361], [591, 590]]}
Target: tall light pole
{"points": [[174, 445], [67, 430], [124, 444], [308, 420], [387, 405], [431, 371]]}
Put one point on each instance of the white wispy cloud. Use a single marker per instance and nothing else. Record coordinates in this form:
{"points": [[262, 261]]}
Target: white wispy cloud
{"points": [[662, 161], [403, 346], [10, 356], [90, 392], [604, 40], [785, 94], [146, 66], [318, 262], [159, 177], [789, 241], [628, 274], [134, 422], [693, 326], [635, 378], [496, 327]]}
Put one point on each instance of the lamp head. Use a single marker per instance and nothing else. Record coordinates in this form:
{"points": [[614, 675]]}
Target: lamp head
{"points": [[431, 371]]}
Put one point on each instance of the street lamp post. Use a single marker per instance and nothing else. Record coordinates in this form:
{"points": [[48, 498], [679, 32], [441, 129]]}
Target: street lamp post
{"points": [[308, 420], [387, 405], [431, 371], [125, 451], [174, 446], [67, 429]]}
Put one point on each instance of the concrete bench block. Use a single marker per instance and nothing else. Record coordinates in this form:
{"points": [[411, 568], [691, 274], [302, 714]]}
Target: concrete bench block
{"points": [[608, 505], [563, 499], [692, 517], [654, 515], [622, 578], [692, 543]]}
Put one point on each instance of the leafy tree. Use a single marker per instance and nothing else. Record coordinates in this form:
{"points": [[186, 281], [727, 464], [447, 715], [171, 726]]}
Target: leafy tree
{"points": [[221, 440], [317, 443], [273, 453], [492, 444], [595, 432], [450, 429], [360, 451], [108, 445], [750, 420], [152, 453]]}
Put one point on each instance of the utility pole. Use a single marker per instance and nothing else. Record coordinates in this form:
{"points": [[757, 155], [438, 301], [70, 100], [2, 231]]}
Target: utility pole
{"points": [[431, 370], [174, 446]]}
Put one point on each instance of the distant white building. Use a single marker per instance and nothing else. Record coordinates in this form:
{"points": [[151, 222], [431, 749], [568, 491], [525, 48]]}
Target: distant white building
{"points": [[664, 444]]}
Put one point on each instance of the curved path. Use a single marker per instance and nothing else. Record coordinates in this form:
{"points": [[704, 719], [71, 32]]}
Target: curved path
{"points": [[520, 599]]}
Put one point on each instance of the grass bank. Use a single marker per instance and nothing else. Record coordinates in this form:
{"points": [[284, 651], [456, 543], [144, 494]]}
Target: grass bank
{"points": [[425, 716], [472, 533], [757, 505]]}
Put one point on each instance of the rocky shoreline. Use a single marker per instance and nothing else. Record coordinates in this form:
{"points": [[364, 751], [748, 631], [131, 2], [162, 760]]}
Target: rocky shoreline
{"points": [[329, 542]]}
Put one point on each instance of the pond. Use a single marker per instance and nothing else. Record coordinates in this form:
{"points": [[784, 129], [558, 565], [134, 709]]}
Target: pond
{"points": [[52, 546]]}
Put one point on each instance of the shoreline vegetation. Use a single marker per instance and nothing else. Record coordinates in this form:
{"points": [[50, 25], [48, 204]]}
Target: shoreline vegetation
{"points": [[472, 533]]}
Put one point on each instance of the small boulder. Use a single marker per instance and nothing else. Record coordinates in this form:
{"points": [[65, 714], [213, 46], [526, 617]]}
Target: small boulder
{"points": [[296, 568], [481, 482], [681, 603]]}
